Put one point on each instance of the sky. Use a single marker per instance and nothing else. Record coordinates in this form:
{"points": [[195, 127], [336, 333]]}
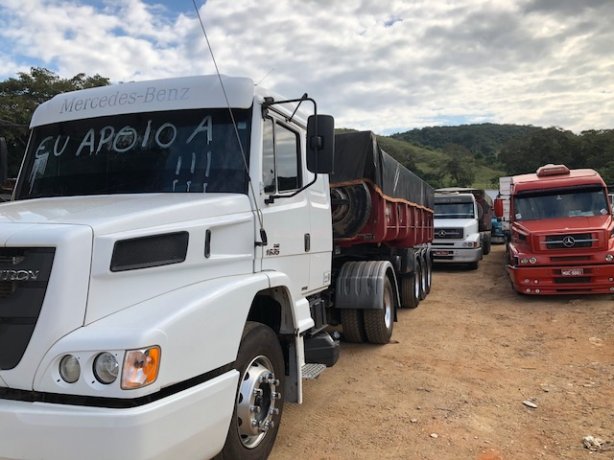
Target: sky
{"points": [[381, 65]]}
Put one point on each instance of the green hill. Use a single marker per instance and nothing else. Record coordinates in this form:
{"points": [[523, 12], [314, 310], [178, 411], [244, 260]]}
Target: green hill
{"points": [[483, 140]]}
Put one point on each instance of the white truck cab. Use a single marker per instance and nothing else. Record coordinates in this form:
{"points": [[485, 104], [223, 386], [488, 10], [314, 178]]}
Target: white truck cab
{"points": [[138, 284], [457, 238]]}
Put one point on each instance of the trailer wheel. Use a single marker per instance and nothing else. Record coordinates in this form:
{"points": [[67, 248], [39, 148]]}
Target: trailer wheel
{"points": [[379, 323], [260, 398], [419, 278], [408, 292], [428, 274], [353, 325]]}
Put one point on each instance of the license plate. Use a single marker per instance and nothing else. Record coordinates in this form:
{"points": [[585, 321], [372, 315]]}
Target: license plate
{"points": [[441, 253], [572, 271]]}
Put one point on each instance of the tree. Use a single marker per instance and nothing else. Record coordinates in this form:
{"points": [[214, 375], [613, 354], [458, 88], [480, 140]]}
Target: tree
{"points": [[551, 145], [458, 170], [20, 96]]}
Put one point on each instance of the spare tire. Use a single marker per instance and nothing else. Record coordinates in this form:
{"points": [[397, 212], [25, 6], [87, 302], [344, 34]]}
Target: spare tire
{"points": [[351, 209]]}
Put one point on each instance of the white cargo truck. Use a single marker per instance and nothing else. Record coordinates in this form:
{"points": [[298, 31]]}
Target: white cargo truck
{"points": [[169, 272], [460, 236]]}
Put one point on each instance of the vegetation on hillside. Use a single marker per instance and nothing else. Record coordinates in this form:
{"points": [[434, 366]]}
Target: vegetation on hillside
{"points": [[483, 140], [499, 150]]}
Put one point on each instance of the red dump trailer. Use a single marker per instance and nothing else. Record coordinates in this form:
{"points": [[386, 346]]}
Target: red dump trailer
{"points": [[382, 215]]}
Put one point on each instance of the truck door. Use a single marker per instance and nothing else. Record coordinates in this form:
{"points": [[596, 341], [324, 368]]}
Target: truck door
{"points": [[286, 220]]}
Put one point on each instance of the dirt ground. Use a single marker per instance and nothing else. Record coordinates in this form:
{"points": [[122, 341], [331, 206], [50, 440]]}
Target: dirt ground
{"points": [[453, 381]]}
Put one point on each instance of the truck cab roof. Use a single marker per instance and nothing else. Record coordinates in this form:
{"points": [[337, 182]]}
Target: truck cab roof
{"points": [[573, 177], [194, 92]]}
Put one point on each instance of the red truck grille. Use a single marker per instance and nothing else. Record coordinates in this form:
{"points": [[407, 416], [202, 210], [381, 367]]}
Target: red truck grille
{"points": [[570, 241]]}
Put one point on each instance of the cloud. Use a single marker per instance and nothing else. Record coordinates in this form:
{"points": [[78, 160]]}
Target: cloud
{"points": [[374, 65]]}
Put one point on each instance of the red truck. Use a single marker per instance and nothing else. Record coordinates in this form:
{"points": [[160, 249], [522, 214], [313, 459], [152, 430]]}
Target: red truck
{"points": [[561, 232]]}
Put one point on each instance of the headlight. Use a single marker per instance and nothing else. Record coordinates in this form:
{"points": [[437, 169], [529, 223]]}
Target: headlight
{"points": [[524, 261], [532, 260], [140, 367], [106, 368], [70, 369], [609, 258]]}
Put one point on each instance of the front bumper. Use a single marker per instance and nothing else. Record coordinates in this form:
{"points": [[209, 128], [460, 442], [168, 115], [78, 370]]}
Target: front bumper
{"points": [[456, 255], [582, 279], [191, 424]]}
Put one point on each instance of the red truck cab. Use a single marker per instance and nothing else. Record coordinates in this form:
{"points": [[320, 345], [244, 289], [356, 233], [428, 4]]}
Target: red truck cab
{"points": [[561, 233]]}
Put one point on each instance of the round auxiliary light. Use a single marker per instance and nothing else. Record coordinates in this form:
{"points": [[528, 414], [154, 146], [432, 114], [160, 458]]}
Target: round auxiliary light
{"points": [[609, 258], [524, 260], [528, 291], [106, 368], [532, 260], [537, 291], [70, 369]]}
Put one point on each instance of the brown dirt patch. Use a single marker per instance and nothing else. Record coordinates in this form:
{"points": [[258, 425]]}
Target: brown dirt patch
{"points": [[452, 382]]}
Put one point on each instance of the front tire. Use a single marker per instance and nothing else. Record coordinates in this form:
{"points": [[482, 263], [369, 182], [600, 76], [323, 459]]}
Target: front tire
{"points": [[260, 397]]}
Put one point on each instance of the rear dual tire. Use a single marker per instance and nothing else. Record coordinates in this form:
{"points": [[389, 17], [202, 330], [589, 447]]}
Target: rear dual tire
{"points": [[370, 325]]}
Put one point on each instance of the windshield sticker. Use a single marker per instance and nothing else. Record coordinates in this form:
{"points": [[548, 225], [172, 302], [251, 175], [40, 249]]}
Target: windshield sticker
{"points": [[124, 140]]}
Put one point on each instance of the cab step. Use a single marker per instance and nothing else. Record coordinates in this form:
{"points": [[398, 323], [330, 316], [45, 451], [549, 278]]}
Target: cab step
{"points": [[311, 371]]}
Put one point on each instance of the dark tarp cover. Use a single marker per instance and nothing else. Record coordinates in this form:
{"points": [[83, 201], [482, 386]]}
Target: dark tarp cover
{"points": [[359, 156]]}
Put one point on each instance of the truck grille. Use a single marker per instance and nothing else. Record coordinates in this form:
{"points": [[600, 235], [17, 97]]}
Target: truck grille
{"points": [[449, 233], [570, 241], [24, 275]]}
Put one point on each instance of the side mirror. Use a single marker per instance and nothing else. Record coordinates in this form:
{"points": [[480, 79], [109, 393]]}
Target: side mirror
{"points": [[320, 144], [499, 207]]}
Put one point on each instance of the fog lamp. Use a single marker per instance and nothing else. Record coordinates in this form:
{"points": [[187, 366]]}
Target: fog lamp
{"points": [[532, 260], [140, 367], [106, 368], [609, 258], [70, 369]]}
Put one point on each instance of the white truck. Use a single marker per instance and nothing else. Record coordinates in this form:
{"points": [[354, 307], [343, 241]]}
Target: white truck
{"points": [[168, 270], [462, 226]]}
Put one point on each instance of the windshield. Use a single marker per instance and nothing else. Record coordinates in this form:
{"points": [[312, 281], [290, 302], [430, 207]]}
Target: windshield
{"points": [[183, 151], [454, 210], [552, 204]]}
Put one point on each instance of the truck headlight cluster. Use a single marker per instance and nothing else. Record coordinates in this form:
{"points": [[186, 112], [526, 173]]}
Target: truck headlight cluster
{"points": [[140, 368], [471, 244], [528, 260]]}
